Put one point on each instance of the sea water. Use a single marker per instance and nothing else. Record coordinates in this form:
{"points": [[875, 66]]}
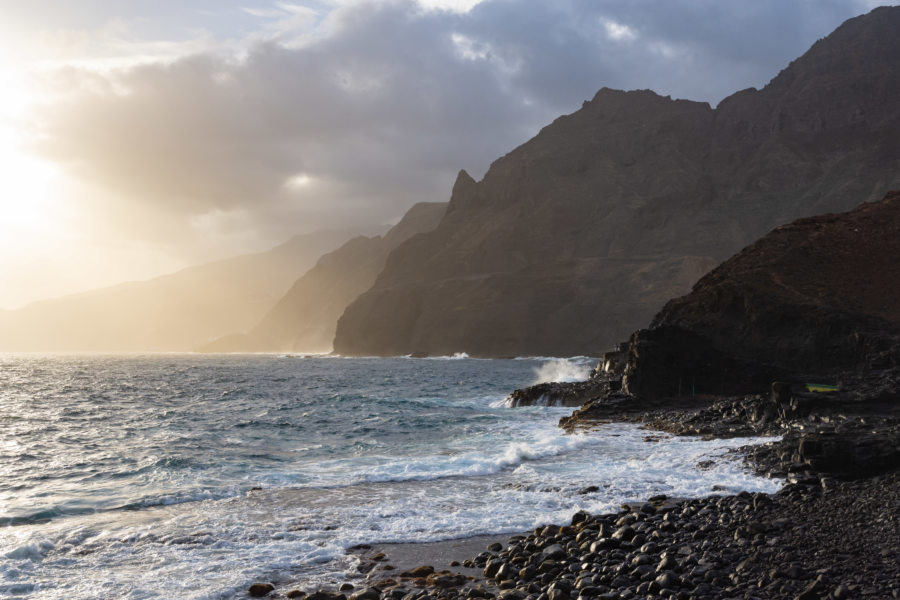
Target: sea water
{"points": [[193, 476]]}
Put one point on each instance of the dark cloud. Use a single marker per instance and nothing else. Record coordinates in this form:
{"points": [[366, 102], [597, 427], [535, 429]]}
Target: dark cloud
{"points": [[383, 109]]}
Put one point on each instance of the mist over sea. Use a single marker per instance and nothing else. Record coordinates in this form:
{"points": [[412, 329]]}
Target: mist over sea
{"points": [[193, 476]]}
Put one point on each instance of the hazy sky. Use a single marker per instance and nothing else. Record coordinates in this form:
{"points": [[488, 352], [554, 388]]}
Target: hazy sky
{"points": [[139, 136]]}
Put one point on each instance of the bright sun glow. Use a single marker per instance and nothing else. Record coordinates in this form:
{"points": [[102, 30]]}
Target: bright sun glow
{"points": [[28, 185]]}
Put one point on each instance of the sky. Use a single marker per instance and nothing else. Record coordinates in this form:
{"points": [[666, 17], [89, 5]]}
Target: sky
{"points": [[141, 136]]}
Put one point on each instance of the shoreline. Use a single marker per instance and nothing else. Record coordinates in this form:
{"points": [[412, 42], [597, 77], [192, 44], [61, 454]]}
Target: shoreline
{"points": [[831, 532], [824, 535], [817, 539]]}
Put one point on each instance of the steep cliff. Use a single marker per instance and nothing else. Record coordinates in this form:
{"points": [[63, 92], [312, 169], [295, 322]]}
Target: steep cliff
{"points": [[304, 320], [817, 296], [579, 236]]}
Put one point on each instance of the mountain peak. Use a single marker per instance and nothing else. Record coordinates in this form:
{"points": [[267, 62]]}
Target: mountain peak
{"points": [[862, 48], [464, 190], [578, 236]]}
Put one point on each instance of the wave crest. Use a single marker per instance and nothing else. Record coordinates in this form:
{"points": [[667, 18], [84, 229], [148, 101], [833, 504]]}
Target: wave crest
{"points": [[563, 370]]}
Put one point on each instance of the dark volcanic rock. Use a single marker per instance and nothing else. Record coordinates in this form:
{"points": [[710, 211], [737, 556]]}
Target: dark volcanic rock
{"points": [[813, 302], [558, 394], [807, 541], [576, 238], [324, 595], [422, 571], [258, 590], [675, 362], [817, 296]]}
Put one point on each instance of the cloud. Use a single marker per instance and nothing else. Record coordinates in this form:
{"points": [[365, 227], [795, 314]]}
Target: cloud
{"points": [[341, 114]]}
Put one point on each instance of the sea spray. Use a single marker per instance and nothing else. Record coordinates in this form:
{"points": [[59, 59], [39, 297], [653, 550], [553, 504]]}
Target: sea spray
{"points": [[563, 370]]}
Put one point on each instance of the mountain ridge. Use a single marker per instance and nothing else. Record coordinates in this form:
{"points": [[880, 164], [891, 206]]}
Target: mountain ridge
{"points": [[171, 312], [304, 319], [578, 236]]}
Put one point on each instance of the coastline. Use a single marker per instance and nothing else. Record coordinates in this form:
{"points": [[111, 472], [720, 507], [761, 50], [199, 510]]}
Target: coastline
{"points": [[829, 533], [817, 539], [814, 539]]}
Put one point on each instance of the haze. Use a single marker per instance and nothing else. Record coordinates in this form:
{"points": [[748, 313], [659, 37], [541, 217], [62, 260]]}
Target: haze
{"points": [[138, 138]]}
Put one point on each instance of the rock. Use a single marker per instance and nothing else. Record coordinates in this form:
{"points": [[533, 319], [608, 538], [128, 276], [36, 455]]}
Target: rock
{"points": [[258, 590], [296, 594], [346, 587], [649, 548], [648, 508], [580, 517], [421, 571], [492, 567], [557, 594], [446, 580], [840, 593], [667, 581], [667, 563], [323, 595], [504, 572], [554, 552], [624, 533], [807, 594], [369, 593], [641, 559]]}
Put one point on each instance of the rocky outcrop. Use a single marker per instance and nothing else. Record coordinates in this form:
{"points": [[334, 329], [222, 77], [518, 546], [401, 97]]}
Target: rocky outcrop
{"points": [[812, 302], [558, 394], [815, 297], [811, 306], [175, 312], [579, 236], [304, 319]]}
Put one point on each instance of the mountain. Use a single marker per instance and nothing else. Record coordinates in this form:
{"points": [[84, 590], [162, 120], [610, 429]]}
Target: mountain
{"points": [[812, 301], [817, 296], [173, 312], [579, 236], [796, 337], [304, 320]]}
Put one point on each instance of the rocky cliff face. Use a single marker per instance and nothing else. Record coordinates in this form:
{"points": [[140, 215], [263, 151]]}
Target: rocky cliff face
{"points": [[580, 235], [811, 302], [304, 320], [817, 296]]}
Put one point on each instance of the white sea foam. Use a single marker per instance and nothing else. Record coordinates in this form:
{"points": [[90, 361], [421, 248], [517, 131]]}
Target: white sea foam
{"points": [[563, 370], [454, 356], [198, 494], [213, 549], [542, 444]]}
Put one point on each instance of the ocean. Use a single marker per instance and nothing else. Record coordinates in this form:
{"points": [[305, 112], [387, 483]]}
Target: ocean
{"points": [[192, 476]]}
